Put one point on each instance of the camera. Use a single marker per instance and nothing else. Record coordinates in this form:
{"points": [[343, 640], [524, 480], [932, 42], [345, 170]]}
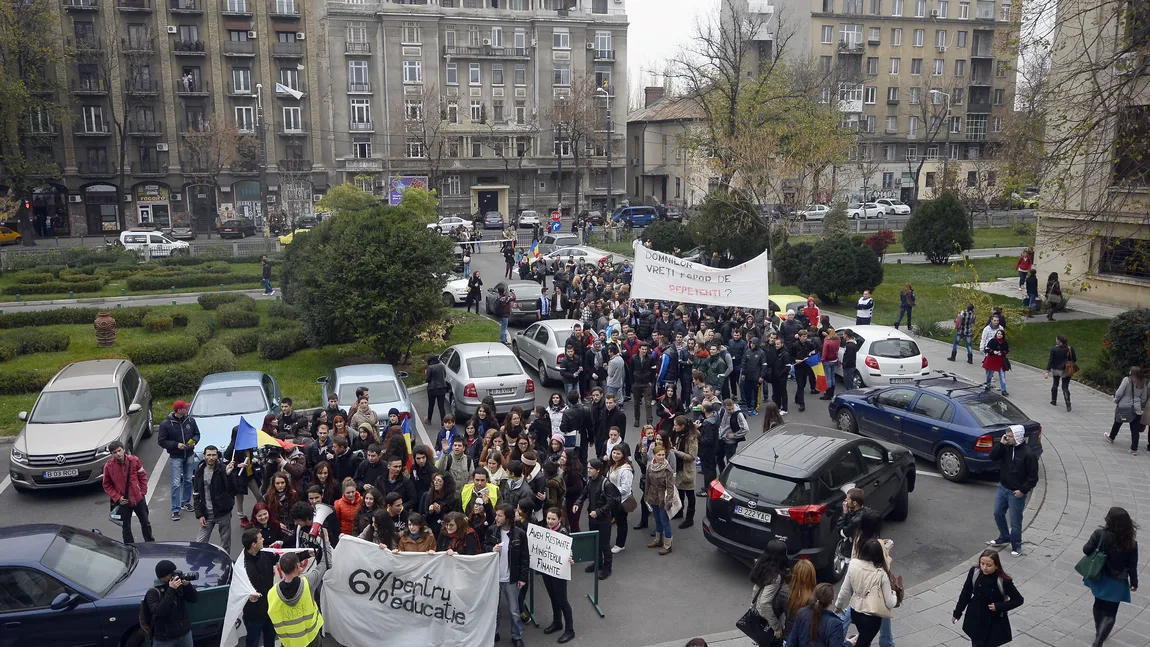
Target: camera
{"points": [[187, 577]]}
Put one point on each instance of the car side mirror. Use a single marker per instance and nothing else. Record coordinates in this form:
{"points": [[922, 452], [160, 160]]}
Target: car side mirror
{"points": [[64, 601], [23, 415], [321, 380], [403, 375], [135, 407], [873, 400]]}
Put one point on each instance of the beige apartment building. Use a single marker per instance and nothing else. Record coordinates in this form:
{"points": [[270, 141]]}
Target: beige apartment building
{"points": [[661, 167], [891, 56], [147, 73], [462, 94]]}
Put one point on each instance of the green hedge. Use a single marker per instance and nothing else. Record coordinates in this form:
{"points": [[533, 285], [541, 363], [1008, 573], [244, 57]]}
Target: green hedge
{"points": [[281, 343], [78, 278], [162, 351], [125, 317], [54, 287], [32, 340], [20, 382], [179, 319], [281, 310], [28, 276], [237, 315], [184, 378], [143, 283], [201, 326], [213, 301], [242, 341], [156, 322]]}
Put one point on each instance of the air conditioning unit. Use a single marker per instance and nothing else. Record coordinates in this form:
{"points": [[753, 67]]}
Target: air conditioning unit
{"points": [[171, 29], [162, 147], [535, 42], [176, 197], [590, 45], [299, 35], [934, 13], [251, 34], [1126, 64], [127, 197], [487, 41], [75, 199], [942, 49], [316, 197]]}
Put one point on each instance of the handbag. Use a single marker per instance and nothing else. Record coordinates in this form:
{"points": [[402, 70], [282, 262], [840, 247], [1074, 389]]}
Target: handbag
{"points": [[630, 504], [1071, 366], [754, 625], [1054, 298], [897, 587], [1090, 566]]}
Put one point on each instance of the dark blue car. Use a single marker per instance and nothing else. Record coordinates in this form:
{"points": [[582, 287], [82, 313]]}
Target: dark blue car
{"points": [[951, 422], [65, 587]]}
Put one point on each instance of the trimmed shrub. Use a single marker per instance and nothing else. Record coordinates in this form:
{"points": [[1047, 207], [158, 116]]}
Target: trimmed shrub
{"points": [[1127, 341], [216, 358], [281, 310], [155, 322], [20, 382], [281, 343], [32, 340], [162, 351], [54, 287], [938, 230], [242, 341], [28, 276], [213, 301], [145, 283], [201, 326], [237, 315], [183, 379], [78, 278], [180, 319]]}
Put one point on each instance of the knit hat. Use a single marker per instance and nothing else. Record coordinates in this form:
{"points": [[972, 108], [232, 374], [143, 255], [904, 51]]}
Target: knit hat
{"points": [[180, 404], [393, 410], [790, 312], [527, 462], [165, 568], [1019, 434], [558, 437]]}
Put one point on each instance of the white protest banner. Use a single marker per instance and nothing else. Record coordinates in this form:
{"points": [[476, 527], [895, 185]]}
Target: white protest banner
{"points": [[665, 277], [418, 599], [550, 551]]}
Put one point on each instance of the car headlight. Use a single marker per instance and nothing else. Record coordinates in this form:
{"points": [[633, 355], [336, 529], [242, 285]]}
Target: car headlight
{"points": [[103, 451], [19, 456]]}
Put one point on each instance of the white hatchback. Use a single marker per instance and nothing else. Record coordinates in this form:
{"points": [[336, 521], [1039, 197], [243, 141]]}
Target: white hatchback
{"points": [[890, 206], [155, 243], [885, 356]]}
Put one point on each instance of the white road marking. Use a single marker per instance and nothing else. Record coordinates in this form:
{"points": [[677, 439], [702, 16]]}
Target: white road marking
{"points": [[940, 476], [422, 432], [154, 475], [5, 483]]}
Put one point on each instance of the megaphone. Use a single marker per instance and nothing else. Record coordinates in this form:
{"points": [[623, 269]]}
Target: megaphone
{"points": [[322, 510]]}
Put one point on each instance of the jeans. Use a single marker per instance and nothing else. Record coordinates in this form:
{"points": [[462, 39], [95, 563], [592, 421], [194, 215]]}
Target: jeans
{"points": [[1001, 378], [141, 510], [503, 330], [954, 348], [829, 369], [1004, 499], [903, 310], [183, 641], [267, 283], [510, 593], [642, 395], [264, 629], [569, 387], [885, 636], [1135, 430], [1021, 278], [749, 393], [224, 523], [467, 269], [723, 455], [617, 391], [183, 469], [662, 521]]}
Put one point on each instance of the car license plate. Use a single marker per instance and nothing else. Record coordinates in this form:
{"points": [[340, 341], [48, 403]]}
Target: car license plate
{"points": [[61, 474], [501, 391], [757, 515], [901, 380]]}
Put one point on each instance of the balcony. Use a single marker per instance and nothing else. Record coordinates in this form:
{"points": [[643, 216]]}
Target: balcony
{"points": [[185, 7], [244, 92], [244, 48], [195, 127], [81, 5], [145, 128], [361, 126], [82, 129], [142, 88], [134, 6], [294, 165], [192, 89], [357, 49], [96, 169], [41, 131], [236, 9], [361, 165], [284, 11], [850, 47], [603, 56], [982, 107], [980, 80], [138, 46], [188, 48], [359, 88], [291, 130], [87, 47], [891, 102], [150, 168], [287, 50], [245, 169], [486, 51], [282, 91], [89, 87]]}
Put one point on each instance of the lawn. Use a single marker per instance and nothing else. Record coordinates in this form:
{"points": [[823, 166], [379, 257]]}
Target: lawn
{"points": [[118, 287], [983, 239]]}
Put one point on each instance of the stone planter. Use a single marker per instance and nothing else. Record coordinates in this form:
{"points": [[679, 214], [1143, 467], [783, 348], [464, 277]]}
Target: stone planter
{"points": [[105, 330]]}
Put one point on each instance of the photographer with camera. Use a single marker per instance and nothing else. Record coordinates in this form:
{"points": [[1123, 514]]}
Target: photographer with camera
{"points": [[164, 616]]}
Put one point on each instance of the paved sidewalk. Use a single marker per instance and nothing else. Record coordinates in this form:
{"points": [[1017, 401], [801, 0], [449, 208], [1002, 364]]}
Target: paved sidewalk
{"points": [[1081, 477], [1078, 307], [971, 254]]}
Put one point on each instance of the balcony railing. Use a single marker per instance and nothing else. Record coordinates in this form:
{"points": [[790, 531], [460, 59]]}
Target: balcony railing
{"points": [[353, 86], [189, 48], [129, 6], [291, 129], [42, 130], [294, 165], [979, 107], [357, 48], [194, 127], [83, 129], [979, 80], [89, 87], [360, 126], [367, 164], [485, 51], [138, 45], [604, 55], [850, 47], [287, 50], [96, 169], [87, 46], [185, 6], [82, 5], [150, 168], [235, 8], [239, 48], [145, 127], [142, 88], [192, 89], [284, 10]]}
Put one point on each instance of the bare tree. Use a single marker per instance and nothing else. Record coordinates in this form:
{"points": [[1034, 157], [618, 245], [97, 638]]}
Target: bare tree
{"points": [[576, 120], [511, 143], [215, 146], [927, 116], [425, 130]]}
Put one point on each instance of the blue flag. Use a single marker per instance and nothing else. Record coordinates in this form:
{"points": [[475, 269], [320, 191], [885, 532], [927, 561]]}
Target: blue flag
{"points": [[246, 436], [813, 359]]}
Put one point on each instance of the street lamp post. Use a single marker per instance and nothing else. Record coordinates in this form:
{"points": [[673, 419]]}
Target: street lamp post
{"points": [[946, 141], [610, 142], [260, 126]]}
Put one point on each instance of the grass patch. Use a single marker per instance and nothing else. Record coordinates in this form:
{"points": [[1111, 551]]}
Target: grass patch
{"points": [[1031, 342], [114, 286], [983, 239]]}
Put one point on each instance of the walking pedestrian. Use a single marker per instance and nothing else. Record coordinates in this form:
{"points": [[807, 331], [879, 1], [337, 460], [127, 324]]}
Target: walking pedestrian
{"points": [[1031, 293], [436, 386], [685, 445], [659, 493], [1129, 401], [906, 303], [864, 309], [642, 381], [963, 329], [1018, 474], [506, 298], [988, 594], [996, 361], [801, 592], [1063, 363], [816, 624], [212, 499], [830, 357], [562, 616], [267, 277], [1117, 538], [178, 435], [1053, 295], [509, 542], [768, 577], [126, 484], [867, 588], [869, 527], [1024, 266], [993, 325]]}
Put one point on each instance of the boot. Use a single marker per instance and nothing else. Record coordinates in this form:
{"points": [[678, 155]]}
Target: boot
{"points": [[969, 358], [952, 356], [1105, 625], [1068, 402], [567, 636], [666, 550], [656, 542], [555, 625]]}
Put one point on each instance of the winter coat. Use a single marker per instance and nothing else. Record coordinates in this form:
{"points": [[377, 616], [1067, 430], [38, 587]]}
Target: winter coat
{"points": [[996, 352], [345, 511], [217, 491], [359, 418], [991, 628], [518, 556], [570, 367], [512, 492], [1120, 564], [436, 377], [556, 493], [643, 369], [403, 486], [601, 497], [127, 480], [753, 361], [863, 579], [687, 450], [422, 544], [1017, 466], [659, 486], [713, 367], [174, 431], [1129, 396]]}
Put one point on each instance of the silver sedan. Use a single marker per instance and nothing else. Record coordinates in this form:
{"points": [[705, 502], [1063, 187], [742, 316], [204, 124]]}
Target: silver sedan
{"points": [[481, 369], [541, 346]]}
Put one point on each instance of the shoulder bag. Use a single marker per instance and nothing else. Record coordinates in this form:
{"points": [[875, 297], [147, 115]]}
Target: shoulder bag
{"points": [[1071, 366], [1090, 566], [754, 625]]}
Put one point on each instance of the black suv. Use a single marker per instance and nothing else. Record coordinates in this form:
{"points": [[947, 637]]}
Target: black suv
{"points": [[790, 483]]}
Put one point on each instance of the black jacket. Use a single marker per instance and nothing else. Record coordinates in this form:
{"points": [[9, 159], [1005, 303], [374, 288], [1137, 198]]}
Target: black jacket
{"points": [[261, 573], [589, 363], [368, 474], [317, 453], [293, 425], [642, 369], [513, 495], [666, 328], [612, 418], [404, 486], [987, 628], [850, 353], [569, 367], [218, 491], [436, 378], [1120, 564], [174, 431], [602, 498], [598, 413], [169, 610], [753, 361], [1017, 466], [345, 465], [518, 557], [1059, 355], [576, 420]]}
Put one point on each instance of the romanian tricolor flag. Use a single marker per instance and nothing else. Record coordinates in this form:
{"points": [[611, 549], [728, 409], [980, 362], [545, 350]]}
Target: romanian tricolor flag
{"points": [[816, 363], [407, 436], [533, 253]]}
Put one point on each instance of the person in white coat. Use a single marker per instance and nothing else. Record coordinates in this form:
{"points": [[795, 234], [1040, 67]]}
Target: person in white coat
{"points": [[867, 588], [988, 332]]}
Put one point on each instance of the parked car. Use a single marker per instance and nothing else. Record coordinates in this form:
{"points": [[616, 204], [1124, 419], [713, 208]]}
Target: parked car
{"points": [[386, 389], [451, 223], [540, 346], [182, 232], [865, 210], [493, 220], [693, 255], [286, 239], [669, 213], [527, 219], [814, 212], [525, 307], [780, 303], [62, 587], [1023, 200], [154, 242], [223, 398], [891, 206], [789, 484], [591, 217], [455, 291], [307, 222], [81, 410], [953, 422], [480, 369], [640, 216], [885, 356], [588, 254], [237, 228], [554, 241], [9, 237]]}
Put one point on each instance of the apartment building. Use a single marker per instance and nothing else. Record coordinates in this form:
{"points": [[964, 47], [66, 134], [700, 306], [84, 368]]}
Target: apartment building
{"points": [[463, 94], [662, 168], [900, 66], [149, 76]]}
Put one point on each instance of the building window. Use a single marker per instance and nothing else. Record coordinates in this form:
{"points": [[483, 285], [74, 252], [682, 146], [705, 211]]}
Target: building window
{"points": [[939, 67], [603, 77], [1132, 146], [560, 39], [916, 66], [954, 151], [520, 113], [361, 148], [996, 124], [520, 42], [413, 110], [497, 74], [896, 7], [824, 95], [919, 34], [476, 111], [289, 78], [932, 152], [868, 123], [896, 37], [824, 65], [1124, 257], [991, 178], [892, 95], [912, 95], [894, 65], [892, 124], [410, 33], [929, 179], [413, 71], [245, 118], [854, 7], [449, 38], [943, 8], [473, 39], [414, 149], [960, 41], [872, 65], [497, 37], [828, 34], [452, 112], [940, 38], [997, 96], [960, 67], [964, 10], [851, 34], [957, 95], [357, 33], [888, 180], [956, 125], [361, 111], [828, 6], [971, 179], [520, 74], [356, 74], [293, 119], [869, 94], [874, 35], [563, 147], [912, 153], [562, 74], [451, 186], [241, 80], [919, 8], [474, 77], [93, 119], [850, 92], [888, 152], [912, 127]]}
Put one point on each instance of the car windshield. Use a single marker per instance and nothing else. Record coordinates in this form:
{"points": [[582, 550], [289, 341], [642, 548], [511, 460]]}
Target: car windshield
{"points": [[493, 366], [230, 401], [894, 348], [80, 405], [993, 410], [93, 562], [749, 484], [378, 391], [894, 202]]}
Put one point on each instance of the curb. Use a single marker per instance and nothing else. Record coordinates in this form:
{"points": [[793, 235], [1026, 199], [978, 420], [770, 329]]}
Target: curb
{"points": [[123, 299]]}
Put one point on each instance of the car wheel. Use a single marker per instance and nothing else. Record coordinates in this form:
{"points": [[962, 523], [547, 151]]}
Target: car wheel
{"points": [[542, 370], [857, 381], [951, 464], [148, 427], [837, 568], [901, 504], [448, 300], [846, 421]]}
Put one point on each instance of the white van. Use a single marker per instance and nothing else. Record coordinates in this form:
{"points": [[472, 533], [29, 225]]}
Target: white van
{"points": [[154, 242]]}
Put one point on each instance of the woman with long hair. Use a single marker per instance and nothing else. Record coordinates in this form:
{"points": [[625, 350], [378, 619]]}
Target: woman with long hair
{"points": [[347, 507], [771, 416], [381, 530], [988, 593], [768, 576], [280, 497], [439, 500], [557, 588], [472, 441], [647, 437], [1060, 355], [513, 426], [493, 462], [1129, 401], [268, 527], [540, 430], [555, 449], [422, 469], [660, 493], [246, 475], [573, 480], [815, 623], [685, 445], [339, 427], [996, 361], [802, 588], [622, 475], [668, 406], [906, 303], [324, 477], [474, 290], [555, 409], [870, 527], [363, 414], [364, 438], [520, 445], [372, 503], [867, 573], [1054, 297], [1117, 538], [485, 419], [457, 536]]}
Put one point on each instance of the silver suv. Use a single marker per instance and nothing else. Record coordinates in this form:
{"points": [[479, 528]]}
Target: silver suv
{"points": [[85, 407]]}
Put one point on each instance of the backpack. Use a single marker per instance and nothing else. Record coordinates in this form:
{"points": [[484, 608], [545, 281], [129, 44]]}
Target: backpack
{"points": [[146, 614], [998, 580]]}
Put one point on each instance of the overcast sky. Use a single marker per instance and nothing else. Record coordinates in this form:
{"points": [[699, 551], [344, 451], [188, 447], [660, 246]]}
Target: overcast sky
{"points": [[658, 29]]}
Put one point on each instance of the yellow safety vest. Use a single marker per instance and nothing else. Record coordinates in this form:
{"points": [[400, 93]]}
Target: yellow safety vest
{"points": [[299, 625]]}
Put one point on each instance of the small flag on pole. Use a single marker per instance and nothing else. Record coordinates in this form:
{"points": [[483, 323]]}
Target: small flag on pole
{"points": [[407, 439], [246, 437], [816, 364]]}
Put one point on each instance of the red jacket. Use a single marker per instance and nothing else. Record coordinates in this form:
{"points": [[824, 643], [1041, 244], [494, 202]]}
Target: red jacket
{"points": [[345, 512], [812, 313], [125, 480]]}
